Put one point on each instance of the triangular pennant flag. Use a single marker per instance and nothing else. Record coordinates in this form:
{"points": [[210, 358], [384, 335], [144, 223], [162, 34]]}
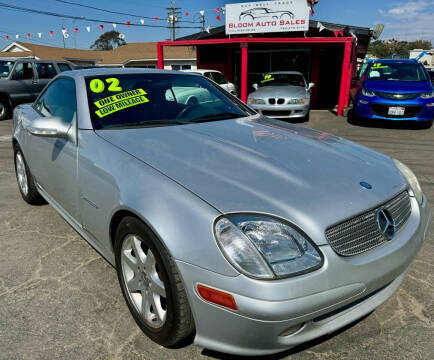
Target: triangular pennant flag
{"points": [[39, 35], [219, 18], [186, 14], [128, 23], [88, 28], [101, 27], [217, 10], [17, 36], [320, 26], [336, 32], [7, 38], [341, 32], [28, 35], [114, 25], [202, 13], [142, 21], [76, 30], [156, 19], [208, 29], [223, 10], [51, 32]]}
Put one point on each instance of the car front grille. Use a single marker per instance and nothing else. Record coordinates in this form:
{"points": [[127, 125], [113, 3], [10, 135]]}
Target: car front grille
{"points": [[361, 233], [383, 110], [395, 96], [273, 101]]}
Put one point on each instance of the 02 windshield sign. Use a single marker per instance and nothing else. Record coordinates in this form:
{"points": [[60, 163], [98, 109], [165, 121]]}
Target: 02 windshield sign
{"points": [[267, 16]]}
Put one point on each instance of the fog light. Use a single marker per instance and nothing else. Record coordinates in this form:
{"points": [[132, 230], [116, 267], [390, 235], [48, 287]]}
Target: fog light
{"points": [[292, 330], [217, 297]]}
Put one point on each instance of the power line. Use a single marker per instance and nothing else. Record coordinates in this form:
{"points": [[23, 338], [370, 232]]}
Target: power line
{"points": [[65, 16], [115, 12]]}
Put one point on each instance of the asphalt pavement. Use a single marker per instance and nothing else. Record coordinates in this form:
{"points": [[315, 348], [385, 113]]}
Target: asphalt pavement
{"points": [[60, 300]]}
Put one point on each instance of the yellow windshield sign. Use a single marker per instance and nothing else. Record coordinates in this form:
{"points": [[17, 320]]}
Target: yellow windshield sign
{"points": [[379, 66], [267, 78], [118, 102]]}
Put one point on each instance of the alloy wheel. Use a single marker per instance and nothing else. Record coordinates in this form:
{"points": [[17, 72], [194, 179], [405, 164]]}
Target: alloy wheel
{"points": [[22, 174], [142, 281]]}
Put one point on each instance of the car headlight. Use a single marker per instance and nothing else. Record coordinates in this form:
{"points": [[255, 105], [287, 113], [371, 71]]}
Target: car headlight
{"points": [[368, 93], [412, 180], [297, 101], [428, 95], [265, 248], [256, 101]]}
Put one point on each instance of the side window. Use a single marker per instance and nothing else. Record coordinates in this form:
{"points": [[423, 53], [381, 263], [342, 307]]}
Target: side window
{"points": [[45, 70], [208, 75], [59, 100], [23, 71], [64, 67]]}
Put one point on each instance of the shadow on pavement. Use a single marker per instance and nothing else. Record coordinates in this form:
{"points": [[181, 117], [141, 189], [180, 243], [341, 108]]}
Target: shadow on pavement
{"points": [[281, 355], [387, 124]]}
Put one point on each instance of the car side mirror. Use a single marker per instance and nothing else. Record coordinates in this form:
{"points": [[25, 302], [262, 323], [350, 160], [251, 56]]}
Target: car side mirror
{"points": [[311, 86], [255, 86], [52, 126]]}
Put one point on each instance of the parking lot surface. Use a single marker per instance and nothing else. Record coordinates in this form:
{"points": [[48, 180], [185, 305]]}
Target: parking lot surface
{"points": [[60, 300]]}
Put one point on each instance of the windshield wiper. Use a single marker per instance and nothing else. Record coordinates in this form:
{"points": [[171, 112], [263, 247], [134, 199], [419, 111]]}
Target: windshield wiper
{"points": [[215, 117], [146, 123]]}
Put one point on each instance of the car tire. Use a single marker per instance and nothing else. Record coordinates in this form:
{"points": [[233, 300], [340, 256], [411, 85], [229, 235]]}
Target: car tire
{"points": [[5, 109], [307, 117], [26, 183], [142, 281]]}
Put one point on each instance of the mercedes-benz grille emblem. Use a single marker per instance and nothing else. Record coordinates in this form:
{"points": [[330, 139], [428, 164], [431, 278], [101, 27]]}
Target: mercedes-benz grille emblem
{"points": [[385, 223]]}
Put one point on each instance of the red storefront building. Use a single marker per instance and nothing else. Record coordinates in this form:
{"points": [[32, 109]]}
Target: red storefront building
{"points": [[326, 54]]}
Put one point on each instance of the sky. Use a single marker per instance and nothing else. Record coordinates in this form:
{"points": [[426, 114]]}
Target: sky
{"points": [[404, 20]]}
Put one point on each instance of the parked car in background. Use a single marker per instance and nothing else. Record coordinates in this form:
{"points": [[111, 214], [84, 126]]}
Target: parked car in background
{"points": [[431, 75], [282, 95], [21, 81], [396, 90], [255, 234], [217, 77]]}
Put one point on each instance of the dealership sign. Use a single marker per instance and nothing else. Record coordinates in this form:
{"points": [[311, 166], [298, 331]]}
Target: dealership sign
{"points": [[267, 16]]}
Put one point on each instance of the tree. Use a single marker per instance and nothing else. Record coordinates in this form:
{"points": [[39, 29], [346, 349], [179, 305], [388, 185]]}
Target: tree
{"points": [[108, 41], [386, 48]]}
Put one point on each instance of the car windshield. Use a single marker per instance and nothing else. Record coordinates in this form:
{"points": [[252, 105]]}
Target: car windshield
{"points": [[283, 80], [219, 78], [6, 67], [140, 100], [396, 72]]}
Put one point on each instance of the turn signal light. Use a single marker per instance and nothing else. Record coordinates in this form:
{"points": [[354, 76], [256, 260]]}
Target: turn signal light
{"points": [[217, 297]]}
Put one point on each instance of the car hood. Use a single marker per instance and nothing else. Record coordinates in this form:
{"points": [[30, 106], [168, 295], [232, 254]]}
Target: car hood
{"points": [[398, 86], [279, 91], [266, 166]]}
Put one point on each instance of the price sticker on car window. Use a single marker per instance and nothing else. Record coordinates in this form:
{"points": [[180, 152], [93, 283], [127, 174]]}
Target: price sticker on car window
{"points": [[118, 102], [267, 78], [98, 86]]}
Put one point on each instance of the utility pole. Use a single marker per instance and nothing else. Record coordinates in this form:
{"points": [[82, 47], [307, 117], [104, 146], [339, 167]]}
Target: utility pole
{"points": [[173, 16]]}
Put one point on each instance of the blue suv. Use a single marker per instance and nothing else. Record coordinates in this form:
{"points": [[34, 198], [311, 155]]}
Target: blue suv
{"points": [[396, 90]]}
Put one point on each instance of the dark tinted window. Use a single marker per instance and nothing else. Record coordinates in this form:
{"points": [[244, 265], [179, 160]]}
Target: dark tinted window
{"points": [[59, 100], [6, 67], [64, 67], [157, 100], [219, 78], [23, 71], [396, 72], [45, 70]]}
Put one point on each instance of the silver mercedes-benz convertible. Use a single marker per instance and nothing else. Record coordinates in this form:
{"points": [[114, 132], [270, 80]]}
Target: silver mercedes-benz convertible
{"points": [[253, 234]]}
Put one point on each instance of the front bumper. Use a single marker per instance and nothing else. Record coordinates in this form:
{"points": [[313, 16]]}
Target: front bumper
{"points": [[282, 111], [377, 108], [315, 304]]}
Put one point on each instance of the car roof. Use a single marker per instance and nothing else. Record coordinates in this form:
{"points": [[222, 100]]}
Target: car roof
{"points": [[286, 72], [118, 71], [393, 61]]}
